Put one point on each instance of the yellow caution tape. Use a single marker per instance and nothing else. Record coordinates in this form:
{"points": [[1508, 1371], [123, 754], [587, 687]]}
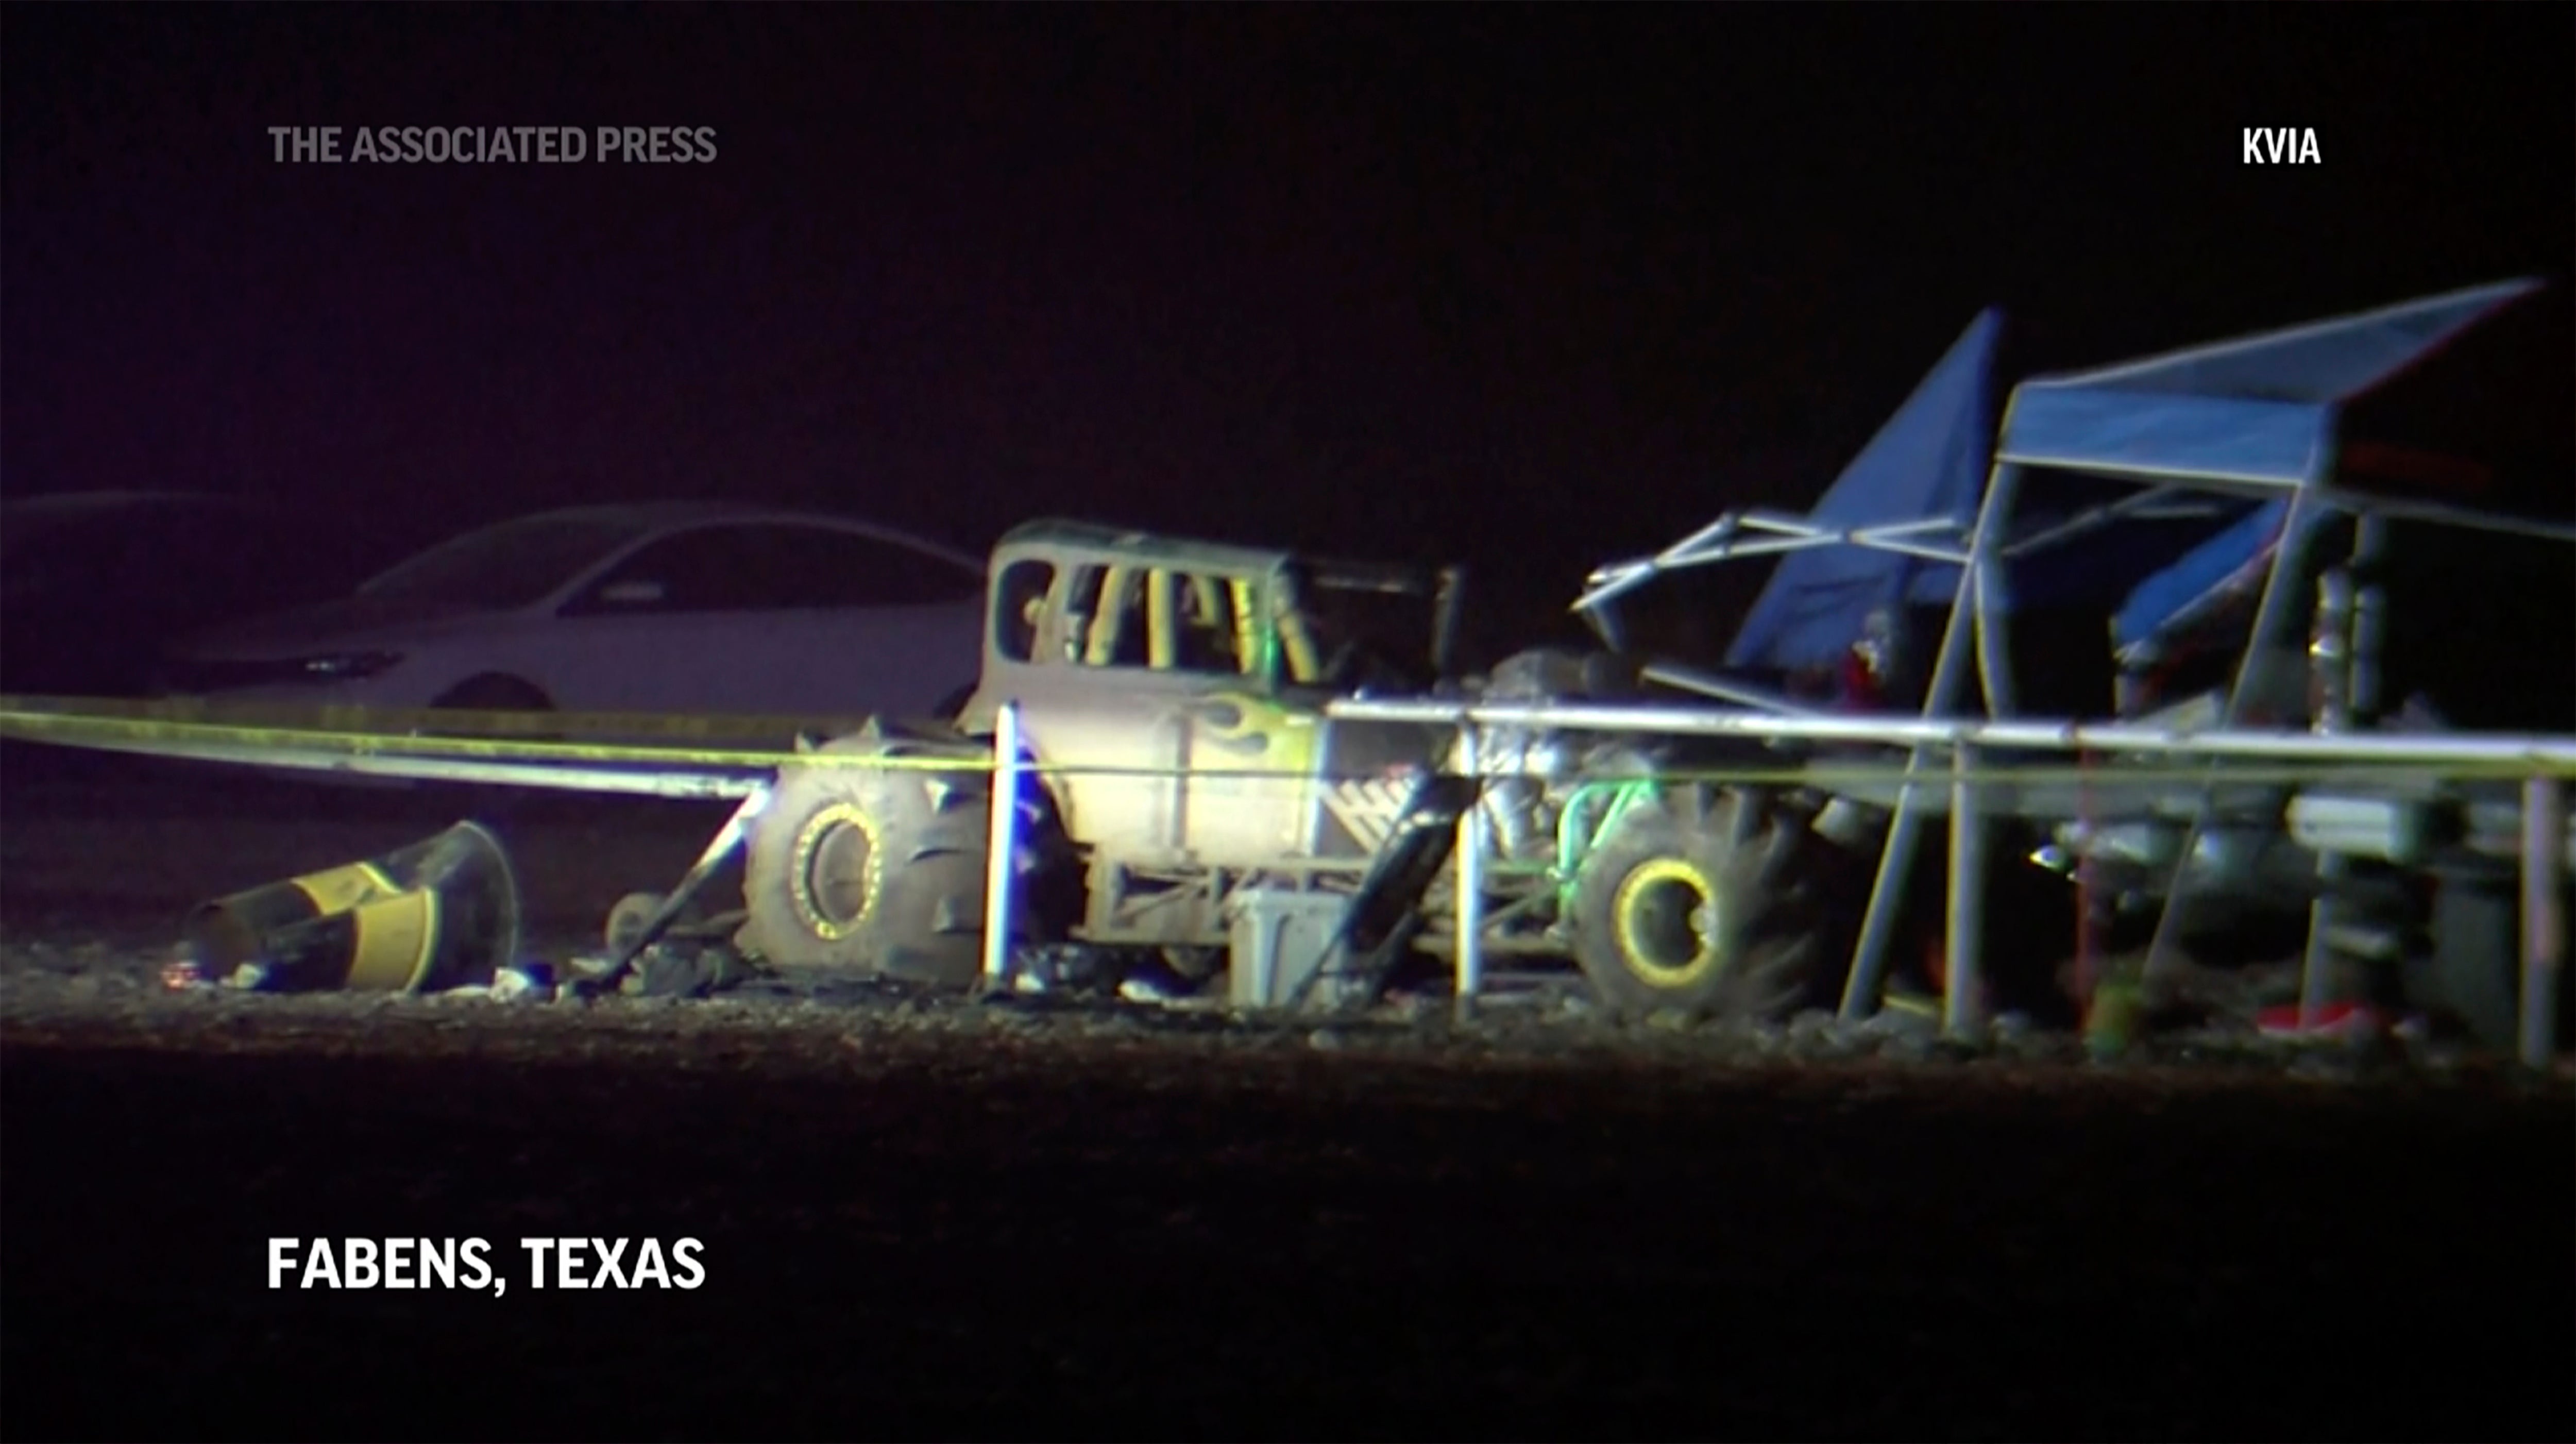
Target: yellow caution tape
{"points": [[434, 721]]}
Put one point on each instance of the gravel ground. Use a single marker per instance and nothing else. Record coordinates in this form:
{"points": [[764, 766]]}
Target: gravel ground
{"points": [[938, 1218]]}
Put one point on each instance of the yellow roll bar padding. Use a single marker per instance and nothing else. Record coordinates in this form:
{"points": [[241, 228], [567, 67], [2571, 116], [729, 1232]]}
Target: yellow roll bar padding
{"points": [[1208, 608], [1247, 626], [1109, 615], [1298, 641], [1202, 612], [1162, 608]]}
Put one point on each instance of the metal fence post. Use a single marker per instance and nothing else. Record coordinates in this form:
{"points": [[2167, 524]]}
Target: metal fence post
{"points": [[1002, 845], [1963, 985], [2318, 975], [1470, 908], [2544, 928]]}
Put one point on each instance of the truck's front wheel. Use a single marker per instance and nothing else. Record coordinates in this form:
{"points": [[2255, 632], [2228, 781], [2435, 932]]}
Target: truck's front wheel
{"points": [[872, 870], [1688, 905]]}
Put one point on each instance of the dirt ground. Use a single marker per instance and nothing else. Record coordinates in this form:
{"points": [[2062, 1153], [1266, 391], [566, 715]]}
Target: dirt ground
{"points": [[941, 1219]]}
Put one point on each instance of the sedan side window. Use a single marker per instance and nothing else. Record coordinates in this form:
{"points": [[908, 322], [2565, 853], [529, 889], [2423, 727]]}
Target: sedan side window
{"points": [[711, 569], [774, 568], [826, 568]]}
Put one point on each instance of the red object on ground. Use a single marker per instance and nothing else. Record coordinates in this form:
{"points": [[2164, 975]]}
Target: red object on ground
{"points": [[2332, 1018]]}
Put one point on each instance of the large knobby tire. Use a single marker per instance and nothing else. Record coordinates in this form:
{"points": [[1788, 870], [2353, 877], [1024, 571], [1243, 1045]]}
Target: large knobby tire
{"points": [[1693, 905], [872, 871]]}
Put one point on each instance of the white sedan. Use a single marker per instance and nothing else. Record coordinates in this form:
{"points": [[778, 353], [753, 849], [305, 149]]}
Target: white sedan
{"points": [[667, 607]]}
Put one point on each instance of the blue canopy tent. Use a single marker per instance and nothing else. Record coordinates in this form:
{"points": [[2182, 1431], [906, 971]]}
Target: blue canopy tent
{"points": [[2252, 424], [1928, 461], [2248, 423], [2171, 478], [2224, 564], [2178, 473]]}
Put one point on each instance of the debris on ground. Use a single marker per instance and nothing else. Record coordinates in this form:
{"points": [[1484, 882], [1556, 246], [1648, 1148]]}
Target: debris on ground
{"points": [[1075, 1002]]}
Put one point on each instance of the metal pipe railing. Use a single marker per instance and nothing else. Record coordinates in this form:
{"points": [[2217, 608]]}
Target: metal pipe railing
{"points": [[2540, 751]]}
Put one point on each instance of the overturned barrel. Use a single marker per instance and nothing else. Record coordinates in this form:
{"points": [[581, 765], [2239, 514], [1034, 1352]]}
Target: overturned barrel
{"points": [[438, 913]]}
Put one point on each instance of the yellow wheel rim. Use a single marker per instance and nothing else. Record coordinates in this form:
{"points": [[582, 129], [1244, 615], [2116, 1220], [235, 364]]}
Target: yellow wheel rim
{"points": [[836, 870], [1665, 918]]}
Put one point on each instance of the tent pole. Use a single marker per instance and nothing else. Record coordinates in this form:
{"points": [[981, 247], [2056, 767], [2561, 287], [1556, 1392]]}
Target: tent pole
{"points": [[1994, 602], [1896, 856], [2296, 519]]}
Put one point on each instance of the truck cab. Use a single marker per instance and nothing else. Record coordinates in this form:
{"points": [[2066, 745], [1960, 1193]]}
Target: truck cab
{"points": [[1171, 696]]}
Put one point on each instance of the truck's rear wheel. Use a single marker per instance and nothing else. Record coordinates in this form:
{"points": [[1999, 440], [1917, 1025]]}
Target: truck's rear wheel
{"points": [[1690, 905], [872, 870]]}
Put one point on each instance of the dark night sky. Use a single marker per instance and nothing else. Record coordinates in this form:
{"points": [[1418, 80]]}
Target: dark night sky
{"points": [[1534, 286]]}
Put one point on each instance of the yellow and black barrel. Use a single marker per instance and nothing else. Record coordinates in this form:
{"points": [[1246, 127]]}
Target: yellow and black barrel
{"points": [[433, 915]]}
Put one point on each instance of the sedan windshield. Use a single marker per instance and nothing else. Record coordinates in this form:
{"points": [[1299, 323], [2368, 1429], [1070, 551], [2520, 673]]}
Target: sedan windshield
{"points": [[515, 564]]}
